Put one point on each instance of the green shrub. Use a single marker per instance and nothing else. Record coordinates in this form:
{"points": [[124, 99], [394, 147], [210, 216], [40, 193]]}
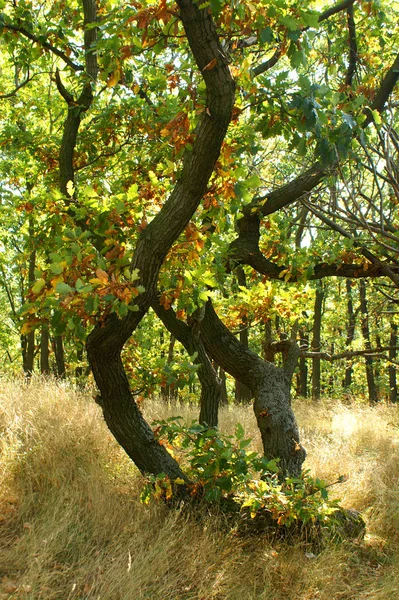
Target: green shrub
{"points": [[223, 470]]}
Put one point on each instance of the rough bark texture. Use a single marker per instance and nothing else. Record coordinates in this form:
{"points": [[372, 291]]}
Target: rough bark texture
{"points": [[270, 386]]}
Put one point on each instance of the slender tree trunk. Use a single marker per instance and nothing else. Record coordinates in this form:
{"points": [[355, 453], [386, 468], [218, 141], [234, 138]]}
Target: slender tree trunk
{"points": [[28, 340], [58, 348], [28, 352], [189, 336], [303, 366], [242, 393], [393, 387], [350, 333], [44, 351], [372, 388], [79, 358], [170, 389], [316, 342]]}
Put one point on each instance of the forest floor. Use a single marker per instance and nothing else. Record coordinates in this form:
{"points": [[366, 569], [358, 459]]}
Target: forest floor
{"points": [[72, 526]]}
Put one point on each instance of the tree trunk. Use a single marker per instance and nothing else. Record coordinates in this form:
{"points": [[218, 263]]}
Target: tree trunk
{"points": [[372, 388], [106, 341], [393, 387], [79, 358], [58, 348], [316, 342], [44, 351], [350, 333], [303, 366], [270, 386], [28, 340], [170, 389], [28, 352], [242, 393], [124, 418], [189, 336]]}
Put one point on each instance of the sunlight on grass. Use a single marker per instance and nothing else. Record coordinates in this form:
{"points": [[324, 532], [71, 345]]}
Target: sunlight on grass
{"points": [[72, 526]]}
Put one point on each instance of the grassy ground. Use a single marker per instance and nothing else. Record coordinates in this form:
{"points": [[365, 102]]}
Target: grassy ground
{"points": [[72, 526]]}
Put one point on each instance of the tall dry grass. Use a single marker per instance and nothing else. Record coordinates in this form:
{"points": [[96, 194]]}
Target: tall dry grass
{"points": [[72, 526]]}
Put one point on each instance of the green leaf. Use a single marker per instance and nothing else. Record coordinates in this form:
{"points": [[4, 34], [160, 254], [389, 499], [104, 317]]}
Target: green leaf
{"points": [[63, 288], [266, 35], [38, 286]]}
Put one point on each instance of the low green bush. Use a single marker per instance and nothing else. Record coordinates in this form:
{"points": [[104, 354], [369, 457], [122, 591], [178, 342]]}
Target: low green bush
{"points": [[222, 470]]}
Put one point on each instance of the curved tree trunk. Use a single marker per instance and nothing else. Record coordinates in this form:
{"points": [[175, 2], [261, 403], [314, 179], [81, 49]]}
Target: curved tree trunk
{"points": [[270, 386], [106, 341]]}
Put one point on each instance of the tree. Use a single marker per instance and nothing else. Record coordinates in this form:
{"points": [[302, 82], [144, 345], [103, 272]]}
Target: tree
{"points": [[159, 158]]}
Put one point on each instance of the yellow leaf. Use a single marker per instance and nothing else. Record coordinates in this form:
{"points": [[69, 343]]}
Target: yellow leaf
{"points": [[114, 78], [26, 328], [70, 188]]}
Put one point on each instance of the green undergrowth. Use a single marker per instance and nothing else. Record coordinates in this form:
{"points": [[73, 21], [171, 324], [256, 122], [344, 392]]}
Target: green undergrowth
{"points": [[224, 471]]}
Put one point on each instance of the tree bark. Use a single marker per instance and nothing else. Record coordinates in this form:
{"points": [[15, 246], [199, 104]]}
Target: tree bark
{"points": [[58, 348], [270, 386], [316, 342], [372, 388], [44, 351], [393, 387], [350, 332]]}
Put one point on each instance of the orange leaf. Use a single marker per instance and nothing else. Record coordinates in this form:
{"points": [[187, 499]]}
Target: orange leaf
{"points": [[210, 65], [102, 275]]}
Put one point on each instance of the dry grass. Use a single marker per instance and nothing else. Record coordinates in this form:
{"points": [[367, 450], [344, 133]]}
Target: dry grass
{"points": [[72, 527]]}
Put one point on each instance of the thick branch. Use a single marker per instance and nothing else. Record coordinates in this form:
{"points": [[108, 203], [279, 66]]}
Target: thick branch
{"points": [[288, 193], [385, 90], [335, 9]]}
